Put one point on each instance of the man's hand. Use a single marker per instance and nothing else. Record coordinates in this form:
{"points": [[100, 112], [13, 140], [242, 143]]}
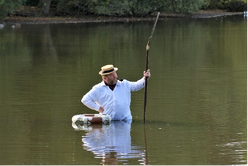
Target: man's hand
{"points": [[100, 110], [147, 74]]}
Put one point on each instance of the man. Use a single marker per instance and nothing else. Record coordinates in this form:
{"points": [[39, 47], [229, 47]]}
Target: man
{"points": [[112, 96]]}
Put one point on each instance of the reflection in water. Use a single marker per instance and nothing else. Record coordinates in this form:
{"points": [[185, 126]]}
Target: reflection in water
{"points": [[235, 150], [112, 143]]}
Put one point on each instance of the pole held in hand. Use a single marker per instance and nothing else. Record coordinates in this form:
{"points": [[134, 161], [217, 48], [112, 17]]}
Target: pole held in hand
{"points": [[147, 60]]}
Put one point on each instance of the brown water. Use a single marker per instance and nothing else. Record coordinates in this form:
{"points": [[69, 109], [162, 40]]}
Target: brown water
{"points": [[197, 95]]}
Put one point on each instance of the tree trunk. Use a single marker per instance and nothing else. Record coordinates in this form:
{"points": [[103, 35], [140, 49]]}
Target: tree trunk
{"points": [[46, 7], [41, 3]]}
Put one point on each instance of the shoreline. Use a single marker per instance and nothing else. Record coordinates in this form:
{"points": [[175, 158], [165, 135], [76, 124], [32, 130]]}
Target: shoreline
{"points": [[19, 19]]}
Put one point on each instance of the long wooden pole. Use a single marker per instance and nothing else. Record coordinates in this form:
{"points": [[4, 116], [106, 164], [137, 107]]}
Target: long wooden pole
{"points": [[147, 60]]}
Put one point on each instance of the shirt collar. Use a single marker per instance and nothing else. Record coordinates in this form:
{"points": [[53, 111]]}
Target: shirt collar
{"points": [[103, 84]]}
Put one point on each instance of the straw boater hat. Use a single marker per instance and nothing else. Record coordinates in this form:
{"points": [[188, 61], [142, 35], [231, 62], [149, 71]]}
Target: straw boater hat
{"points": [[107, 69]]}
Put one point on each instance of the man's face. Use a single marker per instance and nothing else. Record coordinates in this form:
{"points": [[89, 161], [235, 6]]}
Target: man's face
{"points": [[110, 79]]}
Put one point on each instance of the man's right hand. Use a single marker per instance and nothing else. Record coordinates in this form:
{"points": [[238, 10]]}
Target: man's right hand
{"points": [[100, 110]]}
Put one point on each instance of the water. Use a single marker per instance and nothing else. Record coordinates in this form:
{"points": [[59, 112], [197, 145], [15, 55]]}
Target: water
{"points": [[197, 95]]}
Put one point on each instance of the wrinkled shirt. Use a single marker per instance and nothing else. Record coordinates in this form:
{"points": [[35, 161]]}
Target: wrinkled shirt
{"points": [[115, 103]]}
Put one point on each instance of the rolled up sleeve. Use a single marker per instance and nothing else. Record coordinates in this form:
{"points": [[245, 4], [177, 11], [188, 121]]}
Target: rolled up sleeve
{"points": [[135, 86]]}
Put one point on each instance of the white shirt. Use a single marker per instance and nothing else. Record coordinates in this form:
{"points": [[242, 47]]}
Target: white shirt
{"points": [[115, 103]]}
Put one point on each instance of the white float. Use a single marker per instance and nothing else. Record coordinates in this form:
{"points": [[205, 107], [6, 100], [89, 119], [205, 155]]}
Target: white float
{"points": [[91, 118]]}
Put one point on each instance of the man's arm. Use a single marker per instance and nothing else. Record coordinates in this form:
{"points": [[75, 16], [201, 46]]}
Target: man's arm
{"points": [[88, 100], [135, 86]]}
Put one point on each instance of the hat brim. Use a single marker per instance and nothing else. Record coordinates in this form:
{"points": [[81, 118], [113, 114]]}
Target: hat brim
{"points": [[107, 73]]}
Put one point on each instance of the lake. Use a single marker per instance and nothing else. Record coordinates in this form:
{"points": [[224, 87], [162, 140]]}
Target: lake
{"points": [[196, 101]]}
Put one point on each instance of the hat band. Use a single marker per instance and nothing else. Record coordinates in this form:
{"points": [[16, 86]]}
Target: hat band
{"points": [[108, 71]]}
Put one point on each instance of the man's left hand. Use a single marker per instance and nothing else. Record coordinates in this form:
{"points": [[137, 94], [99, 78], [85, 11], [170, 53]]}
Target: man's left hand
{"points": [[147, 74]]}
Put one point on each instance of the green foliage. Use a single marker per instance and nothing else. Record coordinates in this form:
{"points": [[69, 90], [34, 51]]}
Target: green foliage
{"points": [[183, 6], [111, 7], [108, 7], [73, 7], [128, 7], [140, 8], [32, 2], [9, 6], [217, 4], [124, 7], [237, 6], [231, 5]]}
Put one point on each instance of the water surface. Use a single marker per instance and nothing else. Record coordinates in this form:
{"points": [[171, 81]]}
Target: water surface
{"points": [[197, 95]]}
